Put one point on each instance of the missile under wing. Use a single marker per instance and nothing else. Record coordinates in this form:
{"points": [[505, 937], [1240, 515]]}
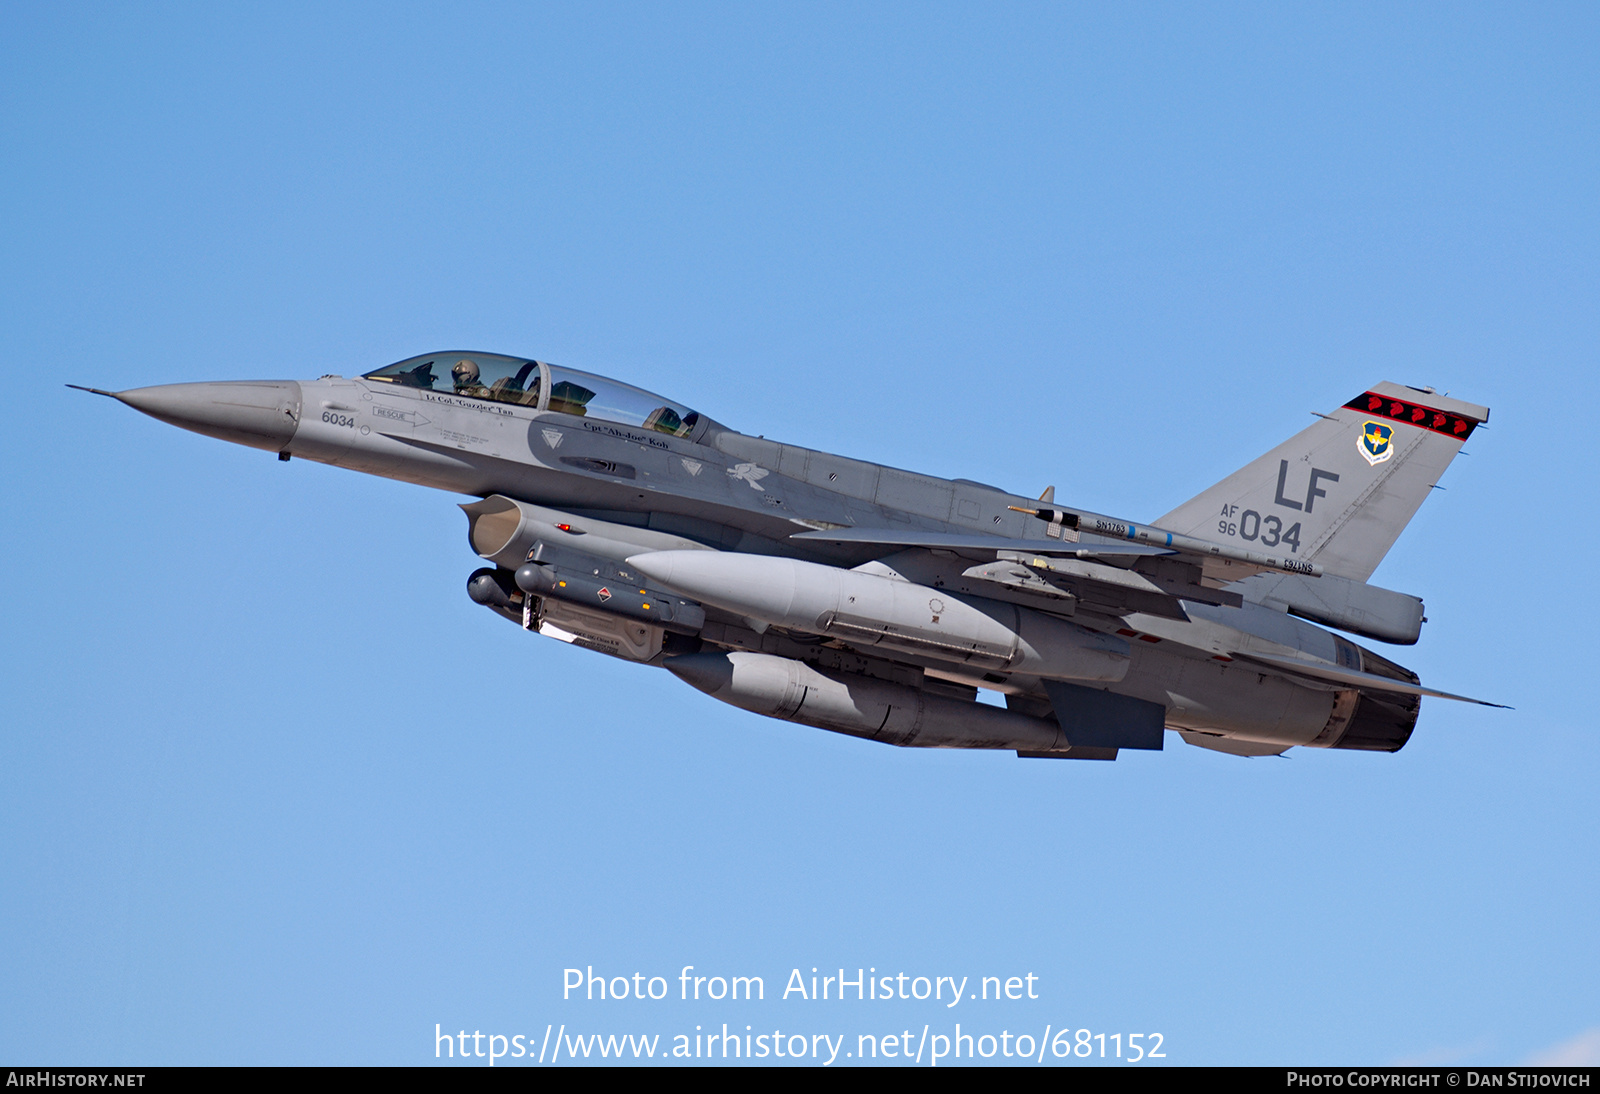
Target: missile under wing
{"points": [[876, 602]]}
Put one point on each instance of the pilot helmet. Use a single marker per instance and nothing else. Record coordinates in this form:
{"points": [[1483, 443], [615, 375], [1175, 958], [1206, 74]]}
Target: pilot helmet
{"points": [[465, 373]]}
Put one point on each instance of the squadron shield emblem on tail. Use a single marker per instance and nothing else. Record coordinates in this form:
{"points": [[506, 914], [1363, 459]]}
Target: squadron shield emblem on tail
{"points": [[1376, 442]]}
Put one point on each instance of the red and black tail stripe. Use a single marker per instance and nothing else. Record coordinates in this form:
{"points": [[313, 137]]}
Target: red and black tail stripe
{"points": [[1398, 410]]}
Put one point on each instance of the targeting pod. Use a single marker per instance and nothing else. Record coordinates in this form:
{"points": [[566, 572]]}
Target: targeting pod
{"points": [[491, 589], [664, 610]]}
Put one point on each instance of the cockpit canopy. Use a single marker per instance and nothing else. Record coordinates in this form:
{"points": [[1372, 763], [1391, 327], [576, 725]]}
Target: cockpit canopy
{"points": [[540, 386]]}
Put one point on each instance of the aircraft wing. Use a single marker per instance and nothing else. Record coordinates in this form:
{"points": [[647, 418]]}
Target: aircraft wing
{"points": [[1218, 563], [1112, 578], [960, 541]]}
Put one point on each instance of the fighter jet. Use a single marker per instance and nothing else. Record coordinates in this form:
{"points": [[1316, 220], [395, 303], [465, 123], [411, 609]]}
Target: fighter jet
{"points": [[875, 602]]}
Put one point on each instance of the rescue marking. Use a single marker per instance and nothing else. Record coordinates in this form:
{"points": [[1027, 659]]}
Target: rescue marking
{"points": [[410, 417]]}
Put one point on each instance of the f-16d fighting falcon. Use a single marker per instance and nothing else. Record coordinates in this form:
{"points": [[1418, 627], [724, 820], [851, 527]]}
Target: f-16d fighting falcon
{"points": [[876, 602]]}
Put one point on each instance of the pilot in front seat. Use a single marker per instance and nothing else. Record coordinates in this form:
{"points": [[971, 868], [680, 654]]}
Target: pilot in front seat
{"points": [[465, 375]]}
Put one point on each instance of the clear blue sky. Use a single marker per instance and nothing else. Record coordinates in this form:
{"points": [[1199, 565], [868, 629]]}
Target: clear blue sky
{"points": [[273, 790]]}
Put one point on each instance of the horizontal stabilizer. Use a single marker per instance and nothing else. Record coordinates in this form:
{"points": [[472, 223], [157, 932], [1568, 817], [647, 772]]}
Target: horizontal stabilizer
{"points": [[1334, 674]]}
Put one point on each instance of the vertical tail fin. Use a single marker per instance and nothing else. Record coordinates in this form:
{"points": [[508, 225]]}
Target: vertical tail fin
{"points": [[1340, 492]]}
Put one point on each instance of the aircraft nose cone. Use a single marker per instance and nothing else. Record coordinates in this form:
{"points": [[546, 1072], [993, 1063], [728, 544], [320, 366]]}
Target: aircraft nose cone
{"points": [[258, 413]]}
